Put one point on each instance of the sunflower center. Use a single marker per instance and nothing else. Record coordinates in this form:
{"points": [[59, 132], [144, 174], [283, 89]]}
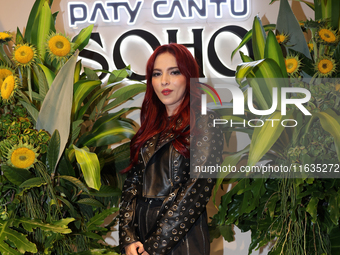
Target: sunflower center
{"points": [[324, 66], [290, 65], [23, 157], [59, 45]]}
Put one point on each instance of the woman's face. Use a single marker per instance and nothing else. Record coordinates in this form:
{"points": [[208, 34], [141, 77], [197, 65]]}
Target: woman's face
{"points": [[168, 82]]}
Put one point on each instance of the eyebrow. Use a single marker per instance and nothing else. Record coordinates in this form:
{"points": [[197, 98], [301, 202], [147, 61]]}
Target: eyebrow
{"points": [[170, 68]]}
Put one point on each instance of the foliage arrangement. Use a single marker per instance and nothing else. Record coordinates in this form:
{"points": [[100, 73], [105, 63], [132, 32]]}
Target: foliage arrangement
{"points": [[58, 177], [295, 214]]}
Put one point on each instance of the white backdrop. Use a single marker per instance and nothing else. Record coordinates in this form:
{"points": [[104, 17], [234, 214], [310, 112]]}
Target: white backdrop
{"points": [[135, 50]]}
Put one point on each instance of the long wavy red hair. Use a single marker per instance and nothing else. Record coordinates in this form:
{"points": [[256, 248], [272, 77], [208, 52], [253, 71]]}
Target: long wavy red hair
{"points": [[154, 118]]}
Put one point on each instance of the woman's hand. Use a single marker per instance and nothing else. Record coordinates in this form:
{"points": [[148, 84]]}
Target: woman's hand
{"points": [[135, 248]]}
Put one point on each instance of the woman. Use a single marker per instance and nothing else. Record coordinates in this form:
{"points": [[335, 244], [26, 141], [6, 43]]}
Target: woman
{"points": [[163, 209]]}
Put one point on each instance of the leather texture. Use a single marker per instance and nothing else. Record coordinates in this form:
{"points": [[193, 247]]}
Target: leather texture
{"points": [[163, 173]]}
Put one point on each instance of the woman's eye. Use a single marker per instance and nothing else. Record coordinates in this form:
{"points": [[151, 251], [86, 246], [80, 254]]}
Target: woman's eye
{"points": [[177, 72], [155, 74]]}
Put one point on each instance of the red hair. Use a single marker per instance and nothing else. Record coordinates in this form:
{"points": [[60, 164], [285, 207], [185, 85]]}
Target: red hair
{"points": [[154, 117]]}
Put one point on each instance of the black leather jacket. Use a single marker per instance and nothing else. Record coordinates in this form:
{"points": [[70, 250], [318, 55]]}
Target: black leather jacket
{"points": [[164, 173]]}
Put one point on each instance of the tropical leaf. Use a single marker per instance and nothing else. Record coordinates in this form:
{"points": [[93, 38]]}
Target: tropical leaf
{"points": [[90, 167], [111, 116], [53, 151], [91, 202], [55, 111], [75, 182], [34, 15], [108, 133], [99, 218], [258, 39], [82, 39], [119, 75], [48, 74], [19, 241], [82, 89], [124, 94], [264, 137], [248, 37], [57, 227], [42, 26], [16, 175], [288, 24], [32, 183], [273, 50]]}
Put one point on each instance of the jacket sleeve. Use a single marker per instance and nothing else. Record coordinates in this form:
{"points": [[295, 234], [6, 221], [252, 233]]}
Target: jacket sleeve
{"points": [[184, 206], [131, 189]]}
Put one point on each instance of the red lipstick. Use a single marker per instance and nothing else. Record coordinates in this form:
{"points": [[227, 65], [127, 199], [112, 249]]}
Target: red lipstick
{"points": [[166, 92]]}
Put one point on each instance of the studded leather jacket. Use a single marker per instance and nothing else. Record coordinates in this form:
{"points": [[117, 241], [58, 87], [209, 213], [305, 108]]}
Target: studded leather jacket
{"points": [[164, 173]]}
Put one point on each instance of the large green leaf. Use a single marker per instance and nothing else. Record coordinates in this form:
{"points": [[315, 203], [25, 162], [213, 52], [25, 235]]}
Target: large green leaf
{"points": [[288, 24], [111, 116], [82, 89], [263, 75], [99, 218], [258, 39], [90, 167], [57, 227], [42, 26], [273, 50], [249, 35], [16, 175], [265, 137], [75, 182], [124, 94], [55, 112], [19, 240], [48, 74], [38, 5], [53, 151], [108, 133], [119, 75], [32, 183], [330, 122], [82, 39], [91, 202]]}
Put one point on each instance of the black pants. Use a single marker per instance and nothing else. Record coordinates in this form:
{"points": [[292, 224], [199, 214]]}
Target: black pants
{"points": [[196, 241]]}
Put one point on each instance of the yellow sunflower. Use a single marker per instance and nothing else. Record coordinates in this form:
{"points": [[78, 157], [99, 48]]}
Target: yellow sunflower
{"points": [[337, 87], [282, 38], [327, 35], [4, 73], [293, 65], [59, 47], [22, 155], [310, 47], [8, 88], [5, 37], [24, 55], [325, 67]]}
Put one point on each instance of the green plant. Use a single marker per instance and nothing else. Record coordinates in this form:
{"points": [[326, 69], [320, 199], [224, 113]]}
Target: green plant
{"points": [[300, 214], [59, 174]]}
